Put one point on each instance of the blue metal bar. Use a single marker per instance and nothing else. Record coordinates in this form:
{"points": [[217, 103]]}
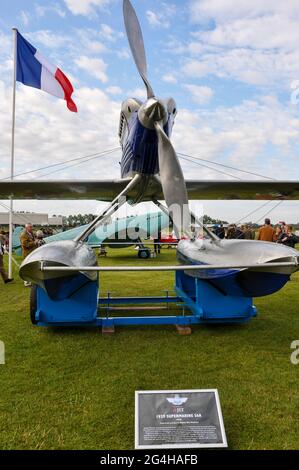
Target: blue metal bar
{"points": [[138, 300], [160, 320]]}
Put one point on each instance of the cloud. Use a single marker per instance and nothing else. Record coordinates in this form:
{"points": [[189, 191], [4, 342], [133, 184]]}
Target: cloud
{"points": [[246, 65], [89, 41], [229, 9], [250, 41], [169, 78], [123, 53], [156, 20], [47, 133], [49, 39], [256, 33], [200, 94], [42, 10], [138, 93], [85, 7], [109, 34], [162, 18], [95, 67], [114, 90], [257, 135], [25, 18]]}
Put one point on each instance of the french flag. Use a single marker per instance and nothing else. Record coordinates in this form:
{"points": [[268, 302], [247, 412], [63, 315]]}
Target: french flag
{"points": [[36, 71]]}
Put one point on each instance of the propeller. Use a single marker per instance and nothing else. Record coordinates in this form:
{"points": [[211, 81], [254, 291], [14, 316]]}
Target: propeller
{"points": [[172, 180], [155, 115], [136, 42]]}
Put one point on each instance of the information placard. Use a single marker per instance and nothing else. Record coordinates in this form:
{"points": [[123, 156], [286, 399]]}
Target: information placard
{"points": [[178, 419]]}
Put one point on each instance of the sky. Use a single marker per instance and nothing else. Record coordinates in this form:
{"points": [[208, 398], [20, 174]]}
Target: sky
{"points": [[232, 67]]}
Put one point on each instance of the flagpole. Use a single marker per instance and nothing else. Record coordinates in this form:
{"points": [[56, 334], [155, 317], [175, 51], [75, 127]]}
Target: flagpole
{"points": [[12, 155]]}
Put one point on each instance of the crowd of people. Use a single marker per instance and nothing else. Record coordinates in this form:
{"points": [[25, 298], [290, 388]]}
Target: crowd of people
{"points": [[29, 242], [281, 233], [3, 249]]}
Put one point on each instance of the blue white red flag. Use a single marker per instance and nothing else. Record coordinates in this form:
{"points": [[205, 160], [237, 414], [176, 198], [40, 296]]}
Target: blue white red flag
{"points": [[36, 71]]}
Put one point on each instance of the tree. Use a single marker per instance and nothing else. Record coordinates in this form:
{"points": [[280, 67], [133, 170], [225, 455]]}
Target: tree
{"points": [[209, 220]]}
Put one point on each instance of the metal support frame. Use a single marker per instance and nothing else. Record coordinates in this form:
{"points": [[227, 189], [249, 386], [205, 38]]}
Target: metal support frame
{"points": [[201, 267], [111, 209], [208, 232]]}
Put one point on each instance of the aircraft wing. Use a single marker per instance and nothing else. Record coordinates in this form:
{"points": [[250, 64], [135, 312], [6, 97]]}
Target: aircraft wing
{"points": [[230, 190], [107, 190]]}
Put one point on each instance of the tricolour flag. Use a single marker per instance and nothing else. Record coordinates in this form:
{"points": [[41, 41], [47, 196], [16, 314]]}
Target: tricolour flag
{"points": [[36, 71]]}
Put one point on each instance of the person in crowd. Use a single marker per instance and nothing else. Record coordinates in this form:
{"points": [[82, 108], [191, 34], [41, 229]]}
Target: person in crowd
{"points": [[234, 232], [3, 273], [29, 243], [230, 232], [220, 231], [239, 233], [28, 240], [278, 233], [266, 233], [288, 238], [40, 238], [283, 226], [248, 232]]}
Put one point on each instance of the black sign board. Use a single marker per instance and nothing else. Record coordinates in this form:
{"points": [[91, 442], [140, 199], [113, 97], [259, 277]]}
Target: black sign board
{"points": [[178, 419]]}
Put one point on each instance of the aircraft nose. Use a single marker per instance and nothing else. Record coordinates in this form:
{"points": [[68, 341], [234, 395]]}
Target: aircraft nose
{"points": [[152, 111], [155, 110]]}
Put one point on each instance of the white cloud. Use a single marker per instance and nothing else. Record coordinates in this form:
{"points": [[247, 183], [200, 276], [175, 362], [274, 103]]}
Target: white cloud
{"points": [[138, 93], [246, 65], [169, 78], [25, 18], [95, 67], [89, 41], [42, 10], [156, 20], [200, 94], [256, 33], [114, 90], [258, 135], [49, 39], [109, 34], [230, 9], [47, 132], [123, 53], [251, 41], [162, 18], [85, 7]]}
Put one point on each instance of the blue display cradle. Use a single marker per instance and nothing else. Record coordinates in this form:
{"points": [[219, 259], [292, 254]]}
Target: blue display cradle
{"points": [[204, 303], [81, 309], [209, 305]]}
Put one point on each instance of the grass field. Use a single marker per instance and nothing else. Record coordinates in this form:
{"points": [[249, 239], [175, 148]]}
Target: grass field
{"points": [[74, 389]]}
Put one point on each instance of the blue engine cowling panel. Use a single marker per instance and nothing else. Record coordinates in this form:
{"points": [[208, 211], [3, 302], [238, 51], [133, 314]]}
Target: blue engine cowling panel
{"points": [[140, 151]]}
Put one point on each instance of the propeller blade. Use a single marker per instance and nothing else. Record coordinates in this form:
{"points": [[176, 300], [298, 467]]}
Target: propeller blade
{"points": [[136, 42], [172, 181]]}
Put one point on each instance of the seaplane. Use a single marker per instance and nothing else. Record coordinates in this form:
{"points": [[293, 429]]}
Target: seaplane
{"points": [[151, 171]]}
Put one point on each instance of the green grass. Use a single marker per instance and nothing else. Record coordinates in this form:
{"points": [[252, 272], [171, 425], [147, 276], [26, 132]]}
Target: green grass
{"points": [[74, 389]]}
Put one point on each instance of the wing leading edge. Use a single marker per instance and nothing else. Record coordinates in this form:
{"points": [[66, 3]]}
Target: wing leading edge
{"points": [[107, 190]]}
